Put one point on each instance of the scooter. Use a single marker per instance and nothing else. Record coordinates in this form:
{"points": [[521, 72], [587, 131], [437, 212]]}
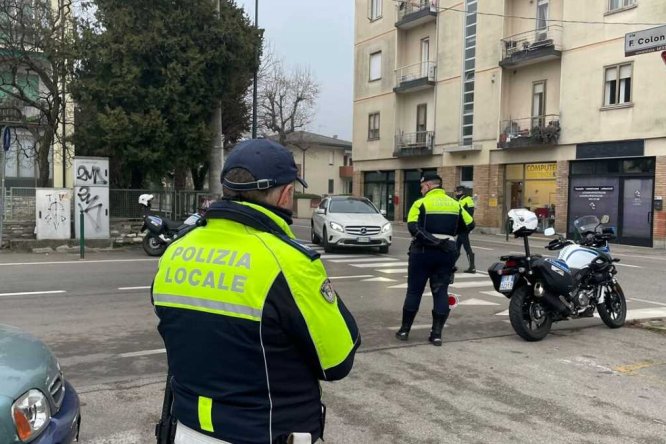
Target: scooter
{"points": [[162, 231]]}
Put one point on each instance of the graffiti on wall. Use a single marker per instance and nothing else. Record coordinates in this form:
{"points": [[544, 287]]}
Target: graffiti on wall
{"points": [[57, 210], [90, 202], [91, 180]]}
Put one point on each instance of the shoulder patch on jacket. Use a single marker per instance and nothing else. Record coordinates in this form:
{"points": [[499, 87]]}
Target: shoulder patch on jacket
{"points": [[327, 291]]}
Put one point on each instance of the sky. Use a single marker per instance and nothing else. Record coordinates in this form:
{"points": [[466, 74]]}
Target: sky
{"points": [[318, 34]]}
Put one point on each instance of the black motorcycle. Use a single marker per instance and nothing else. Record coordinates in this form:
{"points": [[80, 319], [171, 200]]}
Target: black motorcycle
{"points": [[162, 231], [544, 290]]}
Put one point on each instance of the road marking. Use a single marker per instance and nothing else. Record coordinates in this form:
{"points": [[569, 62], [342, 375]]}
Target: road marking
{"points": [[493, 293], [617, 264], [32, 293], [379, 279], [381, 264], [474, 247], [502, 313], [157, 351], [416, 327], [471, 284], [366, 259], [147, 287], [359, 276], [468, 276], [394, 271], [473, 301], [79, 262], [340, 256], [647, 302]]}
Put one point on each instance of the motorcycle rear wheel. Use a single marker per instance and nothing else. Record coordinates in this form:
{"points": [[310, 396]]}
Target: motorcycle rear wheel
{"points": [[528, 316], [613, 311], [153, 246]]}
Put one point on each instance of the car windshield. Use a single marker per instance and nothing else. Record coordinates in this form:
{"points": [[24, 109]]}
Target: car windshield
{"points": [[351, 206], [586, 223]]}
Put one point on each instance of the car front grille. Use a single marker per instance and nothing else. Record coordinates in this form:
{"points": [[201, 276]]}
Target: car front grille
{"points": [[362, 230], [57, 390]]}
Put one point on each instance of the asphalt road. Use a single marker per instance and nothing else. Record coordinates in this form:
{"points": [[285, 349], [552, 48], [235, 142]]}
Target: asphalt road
{"points": [[583, 383]]}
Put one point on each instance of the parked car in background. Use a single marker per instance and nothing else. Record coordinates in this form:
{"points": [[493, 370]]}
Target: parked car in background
{"points": [[37, 405], [347, 221]]}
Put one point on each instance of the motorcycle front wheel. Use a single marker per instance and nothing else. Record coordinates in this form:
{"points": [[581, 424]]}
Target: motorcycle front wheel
{"points": [[613, 310], [152, 245], [529, 318]]}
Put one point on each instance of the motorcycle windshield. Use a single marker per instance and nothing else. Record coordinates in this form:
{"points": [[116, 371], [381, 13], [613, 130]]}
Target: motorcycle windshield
{"points": [[586, 223]]}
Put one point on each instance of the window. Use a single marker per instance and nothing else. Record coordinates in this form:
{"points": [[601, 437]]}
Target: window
{"points": [[542, 20], [376, 66], [330, 186], [421, 123], [425, 57], [374, 9], [538, 103], [469, 65], [373, 126], [331, 157], [466, 174], [617, 88], [619, 4]]}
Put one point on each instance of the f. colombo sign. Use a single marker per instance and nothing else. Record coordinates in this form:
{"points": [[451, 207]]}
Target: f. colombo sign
{"points": [[642, 42]]}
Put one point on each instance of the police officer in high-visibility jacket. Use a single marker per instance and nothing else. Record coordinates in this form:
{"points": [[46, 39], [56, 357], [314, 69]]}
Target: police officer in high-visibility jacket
{"points": [[467, 202], [249, 318], [433, 221]]}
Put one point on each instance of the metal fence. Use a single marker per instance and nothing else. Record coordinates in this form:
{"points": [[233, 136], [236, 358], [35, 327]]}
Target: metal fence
{"points": [[176, 205]]}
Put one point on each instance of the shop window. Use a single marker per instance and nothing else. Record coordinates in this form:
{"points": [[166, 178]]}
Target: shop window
{"points": [[466, 174], [514, 172], [636, 166], [580, 168]]}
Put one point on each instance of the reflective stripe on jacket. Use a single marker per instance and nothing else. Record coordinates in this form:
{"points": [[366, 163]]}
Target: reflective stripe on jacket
{"points": [[437, 213], [250, 323]]}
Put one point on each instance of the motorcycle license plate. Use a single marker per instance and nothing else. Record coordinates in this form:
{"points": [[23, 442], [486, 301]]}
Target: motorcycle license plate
{"points": [[363, 240], [506, 284]]}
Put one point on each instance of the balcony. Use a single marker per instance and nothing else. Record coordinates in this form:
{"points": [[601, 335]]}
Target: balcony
{"points": [[11, 111], [346, 172], [530, 132], [532, 47], [415, 77], [414, 144], [413, 13]]}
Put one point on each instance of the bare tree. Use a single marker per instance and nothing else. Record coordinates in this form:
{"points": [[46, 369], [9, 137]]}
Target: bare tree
{"points": [[36, 52], [286, 99]]}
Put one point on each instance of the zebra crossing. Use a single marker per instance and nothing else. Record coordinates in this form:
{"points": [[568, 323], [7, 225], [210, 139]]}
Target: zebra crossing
{"points": [[478, 287]]}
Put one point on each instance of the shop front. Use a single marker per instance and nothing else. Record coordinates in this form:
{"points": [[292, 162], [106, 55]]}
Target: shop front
{"points": [[532, 186], [621, 188], [379, 187]]}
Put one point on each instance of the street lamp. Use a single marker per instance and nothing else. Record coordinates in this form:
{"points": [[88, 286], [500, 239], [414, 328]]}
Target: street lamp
{"points": [[254, 86]]}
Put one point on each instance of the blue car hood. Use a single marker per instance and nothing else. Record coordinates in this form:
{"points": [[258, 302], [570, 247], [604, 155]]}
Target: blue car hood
{"points": [[25, 363]]}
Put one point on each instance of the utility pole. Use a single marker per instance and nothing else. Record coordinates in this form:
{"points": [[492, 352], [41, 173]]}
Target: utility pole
{"points": [[254, 86], [216, 157]]}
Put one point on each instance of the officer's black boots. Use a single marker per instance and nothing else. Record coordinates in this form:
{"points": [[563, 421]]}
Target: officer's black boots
{"points": [[472, 268], [438, 321], [407, 320]]}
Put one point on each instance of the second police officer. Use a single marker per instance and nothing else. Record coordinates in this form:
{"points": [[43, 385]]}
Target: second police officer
{"points": [[467, 202], [433, 221]]}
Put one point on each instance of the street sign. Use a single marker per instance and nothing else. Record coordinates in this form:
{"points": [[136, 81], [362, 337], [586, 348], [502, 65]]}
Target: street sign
{"points": [[6, 138], [642, 42]]}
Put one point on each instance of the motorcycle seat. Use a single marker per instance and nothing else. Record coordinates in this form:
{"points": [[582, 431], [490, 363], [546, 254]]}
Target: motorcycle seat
{"points": [[171, 225]]}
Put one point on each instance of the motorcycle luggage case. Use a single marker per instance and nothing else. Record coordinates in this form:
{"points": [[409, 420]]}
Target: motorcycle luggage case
{"points": [[494, 275], [555, 274], [154, 224]]}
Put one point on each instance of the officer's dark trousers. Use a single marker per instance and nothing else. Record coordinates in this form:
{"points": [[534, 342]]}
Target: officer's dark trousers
{"points": [[463, 241], [431, 264]]}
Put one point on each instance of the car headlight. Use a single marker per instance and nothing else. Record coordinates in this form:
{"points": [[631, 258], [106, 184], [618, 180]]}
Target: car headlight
{"points": [[31, 414], [336, 227], [386, 228]]}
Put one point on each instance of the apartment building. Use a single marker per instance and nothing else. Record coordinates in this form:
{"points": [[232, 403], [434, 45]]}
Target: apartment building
{"points": [[529, 103]]}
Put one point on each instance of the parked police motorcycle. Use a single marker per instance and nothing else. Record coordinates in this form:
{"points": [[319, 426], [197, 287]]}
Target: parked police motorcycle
{"points": [[162, 231], [544, 290]]}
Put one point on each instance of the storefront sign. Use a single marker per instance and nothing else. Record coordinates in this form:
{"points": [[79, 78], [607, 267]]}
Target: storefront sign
{"points": [[540, 171]]}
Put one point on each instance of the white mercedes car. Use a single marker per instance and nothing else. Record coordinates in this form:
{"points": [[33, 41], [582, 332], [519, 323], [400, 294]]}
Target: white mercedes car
{"points": [[347, 221]]}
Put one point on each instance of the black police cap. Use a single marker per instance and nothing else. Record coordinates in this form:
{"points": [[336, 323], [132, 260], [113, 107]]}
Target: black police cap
{"points": [[430, 176]]}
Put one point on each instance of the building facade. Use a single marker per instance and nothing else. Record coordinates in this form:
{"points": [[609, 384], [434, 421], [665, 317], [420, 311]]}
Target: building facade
{"points": [[529, 103], [324, 162]]}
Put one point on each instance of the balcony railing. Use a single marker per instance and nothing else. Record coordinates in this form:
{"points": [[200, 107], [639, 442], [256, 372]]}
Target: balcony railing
{"points": [[11, 110], [532, 46], [419, 143], [346, 172], [412, 13], [415, 77], [529, 132]]}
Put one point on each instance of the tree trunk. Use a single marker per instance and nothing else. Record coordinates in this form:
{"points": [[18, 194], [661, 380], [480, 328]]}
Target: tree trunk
{"points": [[180, 178], [43, 159], [199, 176]]}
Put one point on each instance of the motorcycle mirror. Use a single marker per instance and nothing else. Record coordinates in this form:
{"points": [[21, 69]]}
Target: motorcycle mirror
{"points": [[549, 231], [605, 219]]}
